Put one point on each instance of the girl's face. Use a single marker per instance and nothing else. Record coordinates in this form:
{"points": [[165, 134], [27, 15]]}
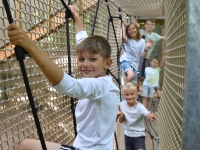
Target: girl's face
{"points": [[129, 96], [154, 63], [132, 31], [92, 65]]}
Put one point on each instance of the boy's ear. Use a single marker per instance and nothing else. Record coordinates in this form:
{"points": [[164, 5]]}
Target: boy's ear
{"points": [[108, 63]]}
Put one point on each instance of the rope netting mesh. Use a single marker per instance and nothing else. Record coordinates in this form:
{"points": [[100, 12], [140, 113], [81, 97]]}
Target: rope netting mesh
{"points": [[44, 21], [171, 105]]}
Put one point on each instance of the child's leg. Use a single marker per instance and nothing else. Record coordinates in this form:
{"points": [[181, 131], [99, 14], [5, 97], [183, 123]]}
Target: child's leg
{"points": [[32, 144], [139, 74], [138, 84], [145, 95], [129, 75], [128, 71], [145, 102], [129, 143], [150, 98], [139, 143], [148, 103]]}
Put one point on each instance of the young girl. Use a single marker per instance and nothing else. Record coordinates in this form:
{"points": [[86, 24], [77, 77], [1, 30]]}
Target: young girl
{"points": [[132, 114], [134, 49]]}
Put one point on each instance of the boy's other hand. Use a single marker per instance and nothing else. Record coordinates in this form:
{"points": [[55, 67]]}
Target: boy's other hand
{"points": [[74, 12], [18, 37], [152, 116], [120, 114]]}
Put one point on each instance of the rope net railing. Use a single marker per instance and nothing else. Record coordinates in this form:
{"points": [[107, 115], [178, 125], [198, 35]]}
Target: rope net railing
{"points": [[44, 21], [171, 105]]}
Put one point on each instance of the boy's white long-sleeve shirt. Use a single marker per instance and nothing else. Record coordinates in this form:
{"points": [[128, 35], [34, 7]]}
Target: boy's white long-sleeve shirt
{"points": [[96, 109]]}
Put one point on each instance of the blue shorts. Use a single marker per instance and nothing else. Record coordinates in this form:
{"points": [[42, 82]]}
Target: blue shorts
{"points": [[147, 91], [135, 143], [127, 67]]}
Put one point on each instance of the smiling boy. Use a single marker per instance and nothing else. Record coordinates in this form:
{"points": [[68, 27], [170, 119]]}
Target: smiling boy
{"points": [[98, 95]]}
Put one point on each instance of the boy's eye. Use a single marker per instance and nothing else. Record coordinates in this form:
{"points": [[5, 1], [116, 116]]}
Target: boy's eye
{"points": [[93, 59], [81, 59]]}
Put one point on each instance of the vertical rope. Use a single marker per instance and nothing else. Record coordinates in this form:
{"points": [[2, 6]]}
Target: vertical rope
{"points": [[20, 55], [68, 15], [95, 18]]}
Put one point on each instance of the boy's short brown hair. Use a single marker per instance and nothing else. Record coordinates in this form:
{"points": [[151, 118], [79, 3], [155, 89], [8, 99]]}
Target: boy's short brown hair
{"points": [[156, 58], [96, 45], [151, 20]]}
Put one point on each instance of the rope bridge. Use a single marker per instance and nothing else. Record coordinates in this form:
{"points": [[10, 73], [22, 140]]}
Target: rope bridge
{"points": [[45, 23]]}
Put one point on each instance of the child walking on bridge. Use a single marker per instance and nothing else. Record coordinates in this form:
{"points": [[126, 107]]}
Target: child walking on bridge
{"points": [[132, 114], [151, 80]]}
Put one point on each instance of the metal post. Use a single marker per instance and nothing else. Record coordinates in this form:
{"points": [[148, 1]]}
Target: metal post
{"points": [[191, 113]]}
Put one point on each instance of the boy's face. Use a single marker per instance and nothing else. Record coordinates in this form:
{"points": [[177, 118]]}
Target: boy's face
{"points": [[92, 65], [129, 95], [149, 26], [154, 63], [132, 31]]}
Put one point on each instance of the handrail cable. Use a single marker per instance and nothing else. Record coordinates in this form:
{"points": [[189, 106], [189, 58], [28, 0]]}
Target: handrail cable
{"points": [[68, 15]]}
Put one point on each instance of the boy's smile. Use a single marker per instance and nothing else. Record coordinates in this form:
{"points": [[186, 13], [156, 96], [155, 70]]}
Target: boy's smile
{"points": [[149, 26], [92, 65], [154, 63], [129, 96]]}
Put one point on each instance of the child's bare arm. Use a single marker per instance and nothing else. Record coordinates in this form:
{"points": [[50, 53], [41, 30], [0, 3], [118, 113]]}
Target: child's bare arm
{"points": [[163, 60], [148, 44], [120, 116], [18, 37], [122, 32], [151, 116], [77, 19], [163, 37]]}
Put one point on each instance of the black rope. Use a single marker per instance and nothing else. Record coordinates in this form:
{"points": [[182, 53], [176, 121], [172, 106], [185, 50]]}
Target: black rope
{"points": [[143, 67], [20, 55], [95, 18], [109, 72], [110, 19], [153, 108], [68, 15], [139, 98], [108, 29]]}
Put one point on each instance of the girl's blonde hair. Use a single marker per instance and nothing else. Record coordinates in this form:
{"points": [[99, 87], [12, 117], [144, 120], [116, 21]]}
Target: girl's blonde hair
{"points": [[129, 85]]}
